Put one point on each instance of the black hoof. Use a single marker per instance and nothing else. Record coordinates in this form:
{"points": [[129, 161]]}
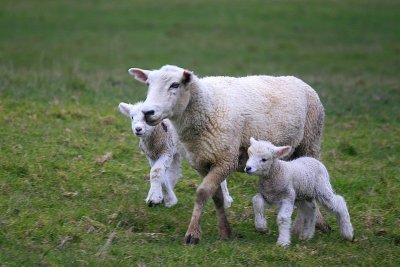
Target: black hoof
{"points": [[151, 204], [191, 240]]}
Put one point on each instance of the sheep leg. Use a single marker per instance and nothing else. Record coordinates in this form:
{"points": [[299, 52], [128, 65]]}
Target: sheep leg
{"points": [[175, 170], [227, 198], [320, 224], [206, 189], [173, 174], [168, 194], [259, 206], [310, 146], [307, 215], [284, 221], [157, 176], [223, 224], [337, 205]]}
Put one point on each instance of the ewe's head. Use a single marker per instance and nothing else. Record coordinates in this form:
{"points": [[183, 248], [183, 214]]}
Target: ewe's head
{"points": [[168, 93], [261, 156], [134, 112]]}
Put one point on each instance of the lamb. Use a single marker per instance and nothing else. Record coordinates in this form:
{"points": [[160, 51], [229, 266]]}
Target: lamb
{"points": [[296, 182], [161, 146], [215, 118]]}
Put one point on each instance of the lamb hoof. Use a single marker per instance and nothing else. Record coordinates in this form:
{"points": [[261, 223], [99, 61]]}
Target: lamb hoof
{"points": [[228, 202], [153, 204], [347, 231], [283, 244], [262, 230], [169, 204], [261, 224], [348, 236], [154, 200], [323, 226], [306, 235], [170, 201]]}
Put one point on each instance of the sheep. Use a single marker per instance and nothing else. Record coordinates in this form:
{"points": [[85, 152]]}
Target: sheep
{"points": [[160, 144], [288, 183], [215, 117]]}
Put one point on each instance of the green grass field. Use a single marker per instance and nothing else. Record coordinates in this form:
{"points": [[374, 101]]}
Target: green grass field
{"points": [[63, 71]]}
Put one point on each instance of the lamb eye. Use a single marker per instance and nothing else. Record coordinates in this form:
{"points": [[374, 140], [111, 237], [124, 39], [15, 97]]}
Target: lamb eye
{"points": [[132, 117], [174, 85], [263, 160]]}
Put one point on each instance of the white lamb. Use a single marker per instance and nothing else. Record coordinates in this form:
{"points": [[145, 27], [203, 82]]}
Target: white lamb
{"points": [[289, 183], [161, 146], [215, 118]]}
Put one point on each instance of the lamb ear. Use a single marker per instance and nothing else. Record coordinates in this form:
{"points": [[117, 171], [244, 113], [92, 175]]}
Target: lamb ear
{"points": [[139, 74], [282, 151], [187, 77], [124, 108]]}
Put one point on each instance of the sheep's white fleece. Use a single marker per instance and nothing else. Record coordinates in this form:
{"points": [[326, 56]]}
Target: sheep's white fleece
{"points": [[216, 116], [285, 183], [161, 147], [234, 109]]}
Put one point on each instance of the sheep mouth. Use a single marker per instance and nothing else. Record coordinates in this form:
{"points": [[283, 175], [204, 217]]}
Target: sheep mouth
{"points": [[251, 172], [139, 134]]}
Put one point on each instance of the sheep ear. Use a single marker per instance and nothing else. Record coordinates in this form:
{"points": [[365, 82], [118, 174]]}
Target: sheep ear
{"points": [[282, 151], [139, 74], [252, 141], [187, 77], [124, 109]]}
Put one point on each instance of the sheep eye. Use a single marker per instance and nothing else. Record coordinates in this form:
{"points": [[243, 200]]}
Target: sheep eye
{"points": [[132, 117], [263, 160], [174, 85]]}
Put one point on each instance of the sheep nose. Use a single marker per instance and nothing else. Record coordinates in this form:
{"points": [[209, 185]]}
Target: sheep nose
{"points": [[138, 129], [247, 169], [148, 112]]}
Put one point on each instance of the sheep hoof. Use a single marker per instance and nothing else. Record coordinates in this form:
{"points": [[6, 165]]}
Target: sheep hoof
{"points": [[323, 225], [170, 201], [153, 204], [283, 244], [154, 200], [191, 239], [225, 234], [324, 228], [228, 202], [262, 230], [169, 204]]}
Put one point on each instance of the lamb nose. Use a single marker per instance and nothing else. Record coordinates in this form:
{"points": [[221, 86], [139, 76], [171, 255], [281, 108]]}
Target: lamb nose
{"points": [[148, 112], [247, 169], [138, 129]]}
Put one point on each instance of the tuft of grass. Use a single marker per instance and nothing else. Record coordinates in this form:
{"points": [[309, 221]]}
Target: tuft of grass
{"points": [[63, 71]]}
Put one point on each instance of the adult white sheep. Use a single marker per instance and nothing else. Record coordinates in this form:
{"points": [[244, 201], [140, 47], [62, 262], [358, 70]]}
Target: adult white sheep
{"points": [[160, 145], [216, 116], [288, 182]]}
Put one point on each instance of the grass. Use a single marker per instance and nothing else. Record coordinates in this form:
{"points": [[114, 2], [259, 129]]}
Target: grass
{"points": [[63, 71]]}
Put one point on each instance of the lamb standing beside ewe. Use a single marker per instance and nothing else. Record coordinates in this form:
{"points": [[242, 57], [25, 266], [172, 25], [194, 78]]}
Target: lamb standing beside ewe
{"points": [[160, 145], [289, 183], [215, 118]]}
